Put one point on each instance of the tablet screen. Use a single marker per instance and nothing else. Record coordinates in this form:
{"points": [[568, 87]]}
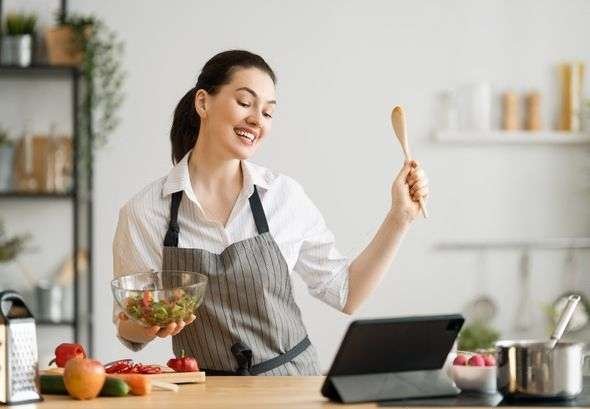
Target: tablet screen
{"points": [[396, 344]]}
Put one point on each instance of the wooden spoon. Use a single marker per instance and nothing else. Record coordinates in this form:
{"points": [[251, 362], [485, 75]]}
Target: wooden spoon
{"points": [[398, 120]]}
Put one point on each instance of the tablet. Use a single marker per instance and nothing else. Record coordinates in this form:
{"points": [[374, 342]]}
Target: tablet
{"points": [[393, 358]]}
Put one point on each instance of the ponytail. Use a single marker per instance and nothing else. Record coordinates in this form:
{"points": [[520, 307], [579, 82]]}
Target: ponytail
{"points": [[185, 126]]}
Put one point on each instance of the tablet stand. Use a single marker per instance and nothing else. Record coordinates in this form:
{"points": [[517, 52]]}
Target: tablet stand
{"points": [[391, 385]]}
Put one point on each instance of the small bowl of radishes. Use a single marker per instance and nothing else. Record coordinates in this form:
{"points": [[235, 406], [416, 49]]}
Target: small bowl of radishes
{"points": [[474, 372]]}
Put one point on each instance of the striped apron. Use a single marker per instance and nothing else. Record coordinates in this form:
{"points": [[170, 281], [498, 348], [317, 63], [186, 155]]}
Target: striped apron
{"points": [[249, 323]]}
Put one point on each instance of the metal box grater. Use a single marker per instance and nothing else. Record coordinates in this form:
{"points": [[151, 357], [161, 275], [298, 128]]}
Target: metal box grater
{"points": [[19, 361]]}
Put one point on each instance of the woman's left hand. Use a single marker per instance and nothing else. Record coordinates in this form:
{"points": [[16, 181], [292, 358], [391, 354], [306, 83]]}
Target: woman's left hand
{"points": [[410, 185]]}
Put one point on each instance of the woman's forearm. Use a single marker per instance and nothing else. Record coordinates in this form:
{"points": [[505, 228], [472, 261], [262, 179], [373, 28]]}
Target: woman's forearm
{"points": [[368, 268]]}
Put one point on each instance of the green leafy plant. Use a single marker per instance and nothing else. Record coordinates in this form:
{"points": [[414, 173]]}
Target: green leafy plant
{"points": [[103, 76], [20, 24], [10, 248], [4, 140], [477, 336]]}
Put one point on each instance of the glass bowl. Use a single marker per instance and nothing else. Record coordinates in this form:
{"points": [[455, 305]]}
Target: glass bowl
{"points": [[159, 297]]}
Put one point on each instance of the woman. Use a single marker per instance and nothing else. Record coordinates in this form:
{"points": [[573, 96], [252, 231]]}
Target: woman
{"points": [[246, 228]]}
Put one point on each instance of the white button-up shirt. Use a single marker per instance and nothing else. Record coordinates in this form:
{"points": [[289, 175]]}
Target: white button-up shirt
{"points": [[296, 224]]}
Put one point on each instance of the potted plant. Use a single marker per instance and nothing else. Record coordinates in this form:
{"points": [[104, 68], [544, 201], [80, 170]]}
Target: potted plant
{"points": [[87, 42], [6, 158], [17, 41], [64, 47], [10, 248]]}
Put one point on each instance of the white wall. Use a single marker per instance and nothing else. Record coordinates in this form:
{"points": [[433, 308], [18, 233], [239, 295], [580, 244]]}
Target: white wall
{"points": [[341, 67]]}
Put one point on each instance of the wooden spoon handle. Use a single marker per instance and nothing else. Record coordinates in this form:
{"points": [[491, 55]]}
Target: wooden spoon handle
{"points": [[398, 120], [423, 208]]}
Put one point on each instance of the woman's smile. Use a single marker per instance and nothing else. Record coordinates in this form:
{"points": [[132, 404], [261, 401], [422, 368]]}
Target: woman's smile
{"points": [[246, 135]]}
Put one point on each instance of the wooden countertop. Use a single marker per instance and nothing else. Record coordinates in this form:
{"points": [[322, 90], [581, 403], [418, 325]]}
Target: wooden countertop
{"points": [[218, 392]]}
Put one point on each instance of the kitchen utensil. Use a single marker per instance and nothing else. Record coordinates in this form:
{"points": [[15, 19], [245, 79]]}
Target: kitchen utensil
{"points": [[533, 111], [581, 317], [541, 369], [19, 358], [572, 85], [564, 320], [49, 301], [159, 297], [530, 369], [449, 114], [398, 120], [482, 308], [165, 386], [509, 111], [524, 314]]}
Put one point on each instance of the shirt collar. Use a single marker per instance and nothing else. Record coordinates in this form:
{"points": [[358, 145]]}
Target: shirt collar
{"points": [[178, 178]]}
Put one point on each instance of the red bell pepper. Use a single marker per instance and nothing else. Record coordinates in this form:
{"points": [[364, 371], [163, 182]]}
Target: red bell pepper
{"points": [[64, 352], [183, 363]]}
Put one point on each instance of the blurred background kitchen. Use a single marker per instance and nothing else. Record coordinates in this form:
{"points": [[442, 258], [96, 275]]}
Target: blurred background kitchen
{"points": [[498, 111]]}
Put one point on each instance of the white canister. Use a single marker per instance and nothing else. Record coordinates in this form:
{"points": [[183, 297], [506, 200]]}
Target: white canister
{"points": [[475, 106]]}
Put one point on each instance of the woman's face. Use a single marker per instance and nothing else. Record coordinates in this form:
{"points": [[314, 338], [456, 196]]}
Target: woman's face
{"points": [[238, 117]]}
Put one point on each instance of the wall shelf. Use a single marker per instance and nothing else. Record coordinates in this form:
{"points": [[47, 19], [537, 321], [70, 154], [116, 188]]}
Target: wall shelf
{"points": [[36, 195], [542, 244], [40, 70], [47, 323], [512, 137]]}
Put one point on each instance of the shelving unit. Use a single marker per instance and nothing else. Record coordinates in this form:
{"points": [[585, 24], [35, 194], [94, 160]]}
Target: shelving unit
{"points": [[512, 137], [540, 244], [40, 195], [80, 196]]}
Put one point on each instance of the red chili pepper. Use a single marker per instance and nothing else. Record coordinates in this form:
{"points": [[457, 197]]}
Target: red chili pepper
{"points": [[122, 366], [128, 366], [183, 363], [150, 369], [64, 352]]}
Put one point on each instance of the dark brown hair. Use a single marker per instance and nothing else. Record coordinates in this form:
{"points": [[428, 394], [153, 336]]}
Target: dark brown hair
{"points": [[215, 73]]}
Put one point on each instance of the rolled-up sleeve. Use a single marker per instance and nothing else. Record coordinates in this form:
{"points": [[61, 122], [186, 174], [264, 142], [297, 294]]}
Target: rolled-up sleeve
{"points": [[321, 266], [128, 258]]}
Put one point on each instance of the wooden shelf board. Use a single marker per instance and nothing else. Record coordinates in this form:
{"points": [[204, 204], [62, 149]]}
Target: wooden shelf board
{"points": [[512, 137]]}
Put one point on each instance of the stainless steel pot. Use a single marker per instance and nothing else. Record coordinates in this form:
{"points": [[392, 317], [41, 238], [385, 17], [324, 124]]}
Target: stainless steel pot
{"points": [[532, 369]]}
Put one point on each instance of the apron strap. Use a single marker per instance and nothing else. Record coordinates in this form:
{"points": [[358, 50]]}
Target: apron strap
{"points": [[171, 239], [258, 212], [243, 355]]}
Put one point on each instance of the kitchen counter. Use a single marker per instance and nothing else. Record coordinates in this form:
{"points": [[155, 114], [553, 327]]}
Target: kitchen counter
{"points": [[217, 392]]}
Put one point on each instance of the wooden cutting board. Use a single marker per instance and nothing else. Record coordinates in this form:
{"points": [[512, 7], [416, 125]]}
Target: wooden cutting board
{"points": [[167, 375]]}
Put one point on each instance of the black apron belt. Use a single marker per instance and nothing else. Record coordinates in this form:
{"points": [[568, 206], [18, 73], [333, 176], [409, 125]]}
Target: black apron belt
{"points": [[243, 355]]}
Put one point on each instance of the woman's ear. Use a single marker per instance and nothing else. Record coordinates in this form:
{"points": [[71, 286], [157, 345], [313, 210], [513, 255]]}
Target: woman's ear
{"points": [[201, 103]]}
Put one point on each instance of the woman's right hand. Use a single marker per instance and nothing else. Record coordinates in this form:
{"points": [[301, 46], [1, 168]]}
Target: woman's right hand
{"points": [[135, 332]]}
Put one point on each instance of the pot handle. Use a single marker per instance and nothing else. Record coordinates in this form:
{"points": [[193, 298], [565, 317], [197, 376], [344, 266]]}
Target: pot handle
{"points": [[585, 356]]}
